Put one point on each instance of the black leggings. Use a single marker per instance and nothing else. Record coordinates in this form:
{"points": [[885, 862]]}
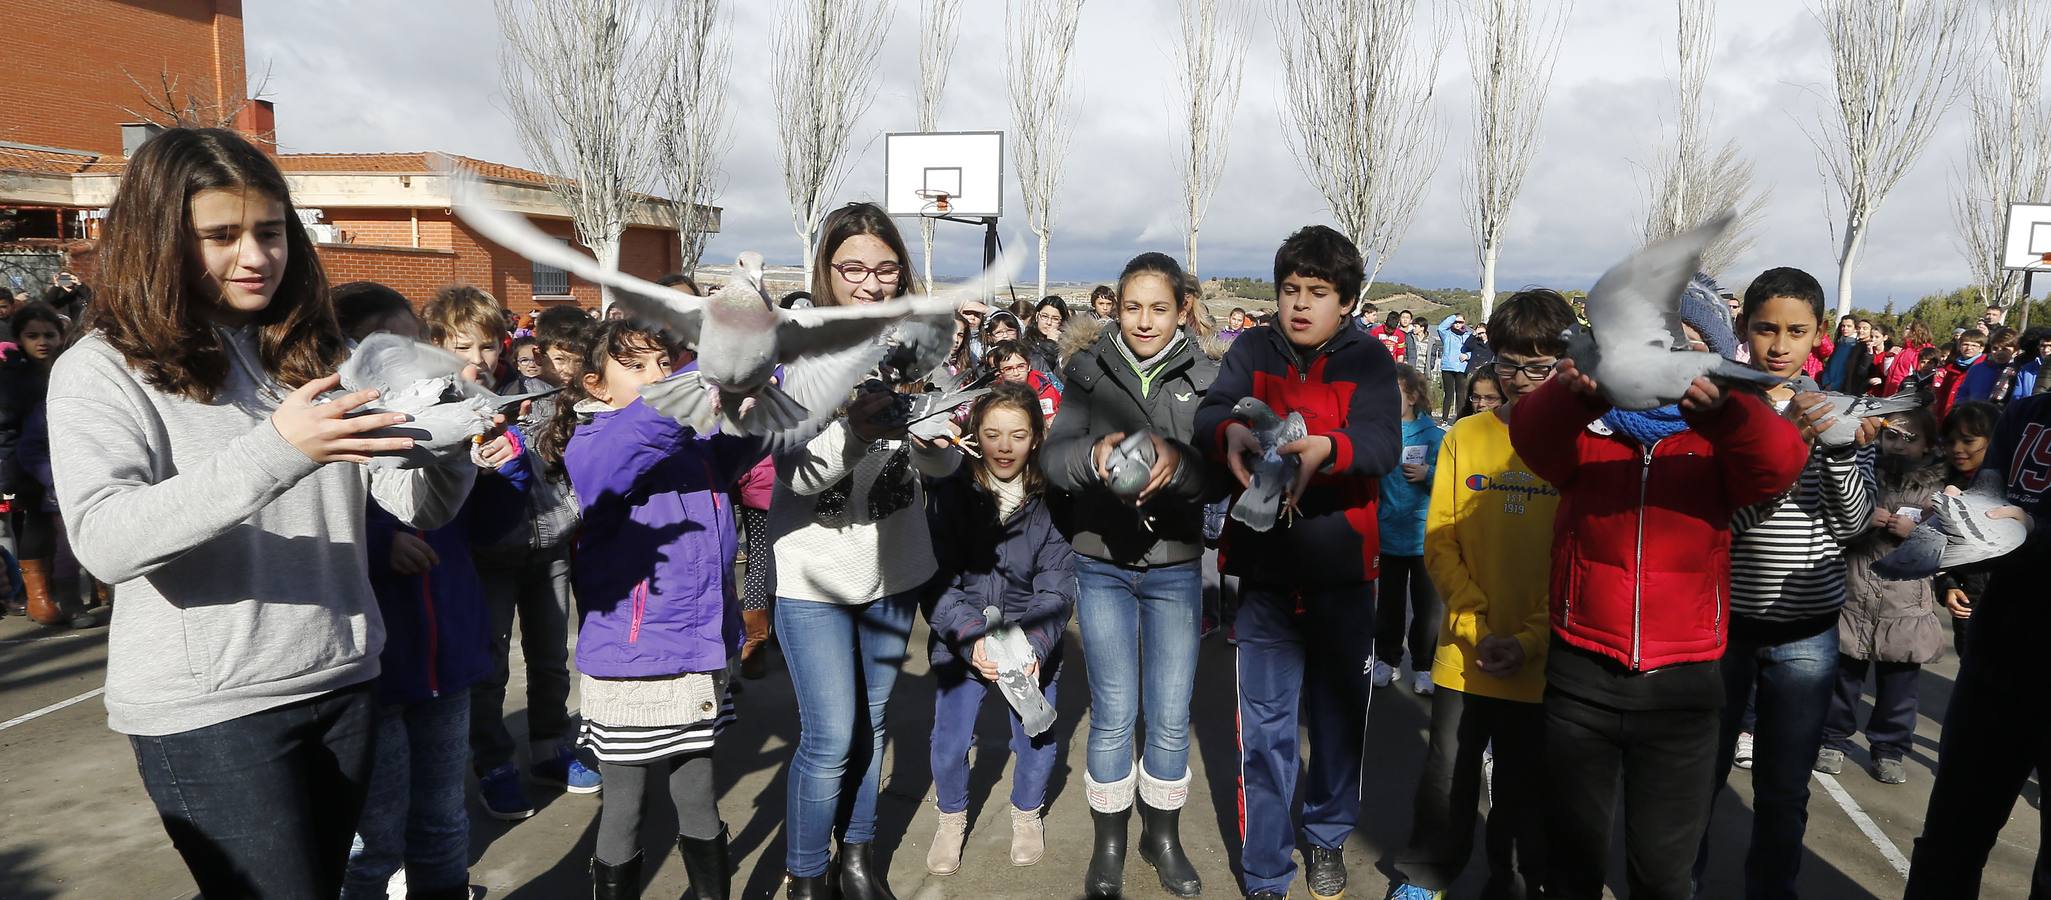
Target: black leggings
{"points": [[1406, 588], [1455, 384], [619, 816]]}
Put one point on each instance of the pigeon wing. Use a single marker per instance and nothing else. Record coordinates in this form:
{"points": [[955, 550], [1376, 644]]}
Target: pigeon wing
{"points": [[386, 361], [1919, 556], [1637, 303], [830, 329]]}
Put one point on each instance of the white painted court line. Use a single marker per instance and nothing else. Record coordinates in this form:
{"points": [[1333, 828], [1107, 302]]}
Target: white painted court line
{"points": [[1865, 822], [37, 714], [48, 637]]}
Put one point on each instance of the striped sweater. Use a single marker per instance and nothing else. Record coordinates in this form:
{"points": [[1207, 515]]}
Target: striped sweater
{"points": [[1787, 557]]}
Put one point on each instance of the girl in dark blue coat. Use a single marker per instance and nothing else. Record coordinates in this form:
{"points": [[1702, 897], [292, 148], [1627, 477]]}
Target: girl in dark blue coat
{"points": [[1004, 553]]}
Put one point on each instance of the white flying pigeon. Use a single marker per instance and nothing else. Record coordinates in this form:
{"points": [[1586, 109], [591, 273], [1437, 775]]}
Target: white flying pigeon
{"points": [[1634, 312], [1007, 648], [1958, 533], [740, 335], [926, 415], [447, 411], [1848, 411], [1129, 464], [1273, 474]]}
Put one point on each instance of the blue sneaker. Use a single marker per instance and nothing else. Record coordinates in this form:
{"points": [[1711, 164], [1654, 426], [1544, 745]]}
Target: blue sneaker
{"points": [[1413, 892], [569, 771], [499, 790]]}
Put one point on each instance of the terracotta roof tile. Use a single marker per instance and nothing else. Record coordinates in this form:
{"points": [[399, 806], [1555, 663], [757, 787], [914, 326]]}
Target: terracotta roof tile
{"points": [[400, 164], [44, 162]]}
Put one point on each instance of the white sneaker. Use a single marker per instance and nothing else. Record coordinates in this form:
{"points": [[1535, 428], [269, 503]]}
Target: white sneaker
{"points": [[1380, 674], [1743, 760], [1422, 684]]}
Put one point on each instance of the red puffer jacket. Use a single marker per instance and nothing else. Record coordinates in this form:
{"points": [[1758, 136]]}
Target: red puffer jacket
{"points": [[1641, 546]]}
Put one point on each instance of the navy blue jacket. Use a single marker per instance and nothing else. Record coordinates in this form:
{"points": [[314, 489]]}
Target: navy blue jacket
{"points": [[437, 626], [1022, 566], [1346, 391]]}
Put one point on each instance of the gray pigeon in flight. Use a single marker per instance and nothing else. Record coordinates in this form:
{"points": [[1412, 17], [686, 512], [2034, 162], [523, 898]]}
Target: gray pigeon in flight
{"points": [[926, 414], [740, 334], [1848, 411], [446, 411], [1129, 464], [1638, 353], [1957, 533], [1260, 505], [1007, 647]]}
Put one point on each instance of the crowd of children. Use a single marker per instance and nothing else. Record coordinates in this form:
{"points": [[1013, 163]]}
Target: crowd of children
{"points": [[312, 636]]}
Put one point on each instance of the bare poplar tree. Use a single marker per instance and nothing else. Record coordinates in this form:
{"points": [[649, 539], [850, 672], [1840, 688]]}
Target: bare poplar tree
{"points": [[1040, 34], [2008, 158], [1510, 57], [939, 22], [1690, 183], [823, 77], [1896, 67], [1358, 86], [578, 77], [696, 132], [1212, 53]]}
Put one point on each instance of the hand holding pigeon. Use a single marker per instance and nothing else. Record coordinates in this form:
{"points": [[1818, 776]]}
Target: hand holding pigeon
{"points": [[1967, 527], [1266, 452], [444, 411]]}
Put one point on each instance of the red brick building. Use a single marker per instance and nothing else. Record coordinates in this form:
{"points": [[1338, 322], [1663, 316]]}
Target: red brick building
{"points": [[76, 107]]}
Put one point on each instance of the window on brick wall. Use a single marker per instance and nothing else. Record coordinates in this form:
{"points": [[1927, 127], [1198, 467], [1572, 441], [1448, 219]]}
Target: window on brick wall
{"points": [[550, 281]]}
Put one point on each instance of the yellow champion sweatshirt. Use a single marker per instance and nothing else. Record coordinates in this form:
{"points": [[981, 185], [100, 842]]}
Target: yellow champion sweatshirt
{"points": [[1488, 547]]}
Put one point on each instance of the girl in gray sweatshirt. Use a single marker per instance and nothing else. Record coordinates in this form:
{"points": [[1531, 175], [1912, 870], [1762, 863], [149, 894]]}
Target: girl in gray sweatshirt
{"points": [[196, 471]]}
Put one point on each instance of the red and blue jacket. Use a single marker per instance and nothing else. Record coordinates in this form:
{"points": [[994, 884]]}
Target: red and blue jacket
{"points": [[1346, 391]]}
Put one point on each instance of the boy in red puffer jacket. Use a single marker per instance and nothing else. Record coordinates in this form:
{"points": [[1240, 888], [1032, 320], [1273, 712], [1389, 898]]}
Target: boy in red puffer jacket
{"points": [[1640, 609]]}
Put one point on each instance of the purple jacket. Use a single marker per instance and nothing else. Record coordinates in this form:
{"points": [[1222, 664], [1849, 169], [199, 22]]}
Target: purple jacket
{"points": [[653, 564]]}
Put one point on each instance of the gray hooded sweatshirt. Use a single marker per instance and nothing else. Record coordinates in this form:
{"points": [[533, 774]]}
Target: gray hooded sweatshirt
{"points": [[238, 561]]}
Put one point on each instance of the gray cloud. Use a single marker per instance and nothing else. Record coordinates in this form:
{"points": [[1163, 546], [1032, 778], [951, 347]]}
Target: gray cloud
{"points": [[384, 75]]}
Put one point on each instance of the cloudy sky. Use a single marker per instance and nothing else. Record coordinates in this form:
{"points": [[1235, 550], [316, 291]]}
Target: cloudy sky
{"points": [[381, 75]]}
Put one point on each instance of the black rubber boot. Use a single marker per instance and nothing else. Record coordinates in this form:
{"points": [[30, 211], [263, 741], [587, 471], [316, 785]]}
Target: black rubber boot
{"points": [[816, 887], [1106, 875], [620, 882], [859, 880], [1160, 844], [708, 864]]}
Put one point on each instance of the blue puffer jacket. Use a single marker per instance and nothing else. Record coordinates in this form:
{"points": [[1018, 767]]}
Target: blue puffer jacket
{"points": [[437, 627], [1403, 506], [1453, 345], [1022, 566]]}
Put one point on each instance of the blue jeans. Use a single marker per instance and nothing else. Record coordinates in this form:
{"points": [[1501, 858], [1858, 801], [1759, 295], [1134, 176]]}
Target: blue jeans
{"points": [[1140, 634], [1794, 679], [414, 815], [1303, 658], [843, 662], [264, 805], [958, 698]]}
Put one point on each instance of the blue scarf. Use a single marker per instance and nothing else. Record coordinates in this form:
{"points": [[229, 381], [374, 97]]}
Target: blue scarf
{"points": [[1649, 426]]}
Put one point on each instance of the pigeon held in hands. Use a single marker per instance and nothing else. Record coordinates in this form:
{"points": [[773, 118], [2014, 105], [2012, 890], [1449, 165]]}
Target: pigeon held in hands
{"points": [[447, 412], [1007, 648], [1846, 411], [1130, 464], [1634, 347], [1260, 505], [740, 334], [1959, 533]]}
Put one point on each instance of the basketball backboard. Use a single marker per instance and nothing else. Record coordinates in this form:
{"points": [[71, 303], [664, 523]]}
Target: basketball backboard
{"points": [[965, 166], [2027, 244]]}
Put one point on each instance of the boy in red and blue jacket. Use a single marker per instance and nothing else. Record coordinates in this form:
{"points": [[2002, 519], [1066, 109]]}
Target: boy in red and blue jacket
{"points": [[1306, 617]]}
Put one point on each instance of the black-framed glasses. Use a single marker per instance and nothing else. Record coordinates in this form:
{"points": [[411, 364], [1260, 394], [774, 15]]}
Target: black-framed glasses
{"points": [[856, 273], [1533, 371]]}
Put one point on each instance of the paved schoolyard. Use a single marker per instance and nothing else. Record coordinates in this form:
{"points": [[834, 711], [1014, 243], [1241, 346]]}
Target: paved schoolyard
{"points": [[74, 821]]}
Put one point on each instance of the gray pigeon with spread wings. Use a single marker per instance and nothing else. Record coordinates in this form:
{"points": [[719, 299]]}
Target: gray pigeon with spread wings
{"points": [[1260, 505], [447, 412], [740, 335], [1958, 533], [1635, 315]]}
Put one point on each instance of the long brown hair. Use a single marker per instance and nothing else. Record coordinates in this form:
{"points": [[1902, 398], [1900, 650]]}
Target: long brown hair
{"points": [[149, 306], [1022, 399], [844, 223], [620, 339]]}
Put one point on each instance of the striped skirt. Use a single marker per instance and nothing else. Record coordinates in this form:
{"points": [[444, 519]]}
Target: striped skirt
{"points": [[634, 721]]}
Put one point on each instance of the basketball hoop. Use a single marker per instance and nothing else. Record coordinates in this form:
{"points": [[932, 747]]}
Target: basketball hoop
{"points": [[936, 204]]}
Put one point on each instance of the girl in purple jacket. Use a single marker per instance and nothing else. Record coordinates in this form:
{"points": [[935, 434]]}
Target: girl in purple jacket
{"points": [[658, 605], [1000, 550]]}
